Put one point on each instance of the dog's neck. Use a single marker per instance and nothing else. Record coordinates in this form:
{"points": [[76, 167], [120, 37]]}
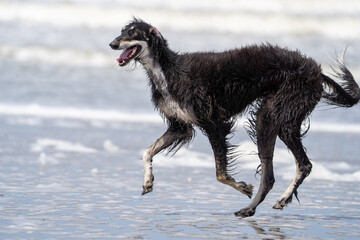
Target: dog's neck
{"points": [[156, 75], [158, 61], [161, 70]]}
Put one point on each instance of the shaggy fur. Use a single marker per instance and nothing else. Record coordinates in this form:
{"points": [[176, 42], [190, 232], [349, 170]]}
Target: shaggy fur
{"points": [[210, 89]]}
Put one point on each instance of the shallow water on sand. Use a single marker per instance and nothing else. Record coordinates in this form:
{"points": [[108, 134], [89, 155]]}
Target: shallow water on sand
{"points": [[74, 182]]}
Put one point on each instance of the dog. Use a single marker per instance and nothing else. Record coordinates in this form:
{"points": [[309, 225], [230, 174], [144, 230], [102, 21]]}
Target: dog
{"points": [[209, 90]]}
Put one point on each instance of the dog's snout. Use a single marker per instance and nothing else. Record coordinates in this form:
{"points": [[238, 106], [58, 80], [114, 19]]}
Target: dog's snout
{"points": [[114, 44]]}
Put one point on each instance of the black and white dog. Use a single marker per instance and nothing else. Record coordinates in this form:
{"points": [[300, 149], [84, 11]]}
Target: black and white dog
{"points": [[210, 89]]}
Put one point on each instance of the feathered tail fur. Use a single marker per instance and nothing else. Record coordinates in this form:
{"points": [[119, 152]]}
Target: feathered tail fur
{"points": [[345, 94]]}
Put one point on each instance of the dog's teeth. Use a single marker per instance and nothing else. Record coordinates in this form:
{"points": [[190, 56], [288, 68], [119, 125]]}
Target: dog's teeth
{"points": [[133, 51]]}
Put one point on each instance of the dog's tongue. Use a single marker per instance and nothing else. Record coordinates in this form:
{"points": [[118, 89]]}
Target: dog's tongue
{"points": [[124, 55]]}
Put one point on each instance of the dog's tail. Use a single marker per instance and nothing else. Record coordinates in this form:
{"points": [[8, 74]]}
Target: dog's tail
{"points": [[345, 94]]}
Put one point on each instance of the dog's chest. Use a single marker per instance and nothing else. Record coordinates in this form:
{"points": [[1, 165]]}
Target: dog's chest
{"points": [[167, 104]]}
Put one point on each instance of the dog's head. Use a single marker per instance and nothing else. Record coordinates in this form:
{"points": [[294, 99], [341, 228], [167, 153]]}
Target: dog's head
{"points": [[135, 40]]}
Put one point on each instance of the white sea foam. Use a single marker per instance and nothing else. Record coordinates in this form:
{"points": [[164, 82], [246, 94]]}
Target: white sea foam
{"points": [[321, 171], [109, 146], [185, 158], [94, 115], [284, 163], [44, 143], [58, 56], [35, 110], [335, 128], [262, 17]]}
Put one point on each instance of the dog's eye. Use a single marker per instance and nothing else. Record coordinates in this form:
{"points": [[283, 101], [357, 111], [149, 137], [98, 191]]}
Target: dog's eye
{"points": [[131, 32]]}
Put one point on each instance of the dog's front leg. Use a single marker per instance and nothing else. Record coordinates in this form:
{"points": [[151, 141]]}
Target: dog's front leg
{"points": [[177, 134], [149, 153]]}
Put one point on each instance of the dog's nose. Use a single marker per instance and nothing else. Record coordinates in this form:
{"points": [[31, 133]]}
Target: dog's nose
{"points": [[114, 45]]}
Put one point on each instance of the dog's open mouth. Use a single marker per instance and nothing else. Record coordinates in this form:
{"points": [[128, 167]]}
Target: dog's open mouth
{"points": [[128, 54]]}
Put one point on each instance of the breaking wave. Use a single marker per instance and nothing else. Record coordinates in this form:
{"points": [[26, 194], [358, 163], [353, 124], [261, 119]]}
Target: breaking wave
{"points": [[35, 110]]}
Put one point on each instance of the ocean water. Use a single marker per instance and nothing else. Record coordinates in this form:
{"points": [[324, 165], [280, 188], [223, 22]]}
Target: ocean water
{"points": [[73, 125]]}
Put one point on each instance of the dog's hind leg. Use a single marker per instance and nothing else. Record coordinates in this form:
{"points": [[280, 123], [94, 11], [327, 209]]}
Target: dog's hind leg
{"points": [[176, 134], [266, 138], [292, 139], [292, 104], [217, 137]]}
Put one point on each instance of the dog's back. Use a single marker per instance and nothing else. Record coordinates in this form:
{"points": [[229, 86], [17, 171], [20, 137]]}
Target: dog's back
{"points": [[236, 78]]}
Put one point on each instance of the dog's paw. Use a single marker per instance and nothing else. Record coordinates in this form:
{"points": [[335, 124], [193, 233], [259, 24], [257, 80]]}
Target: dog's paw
{"points": [[148, 185], [244, 188], [282, 203], [248, 190], [147, 189], [245, 212]]}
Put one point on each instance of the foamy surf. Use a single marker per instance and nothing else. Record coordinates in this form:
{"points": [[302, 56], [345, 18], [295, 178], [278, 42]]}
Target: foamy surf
{"points": [[57, 56], [284, 164], [35, 110], [260, 18], [60, 145], [88, 114]]}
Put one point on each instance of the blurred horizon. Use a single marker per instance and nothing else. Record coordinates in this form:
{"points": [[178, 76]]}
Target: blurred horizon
{"points": [[276, 21]]}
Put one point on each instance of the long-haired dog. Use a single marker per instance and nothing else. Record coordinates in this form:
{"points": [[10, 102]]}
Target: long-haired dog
{"points": [[210, 89]]}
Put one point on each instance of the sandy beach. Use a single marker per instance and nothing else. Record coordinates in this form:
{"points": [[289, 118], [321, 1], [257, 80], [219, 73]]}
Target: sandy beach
{"points": [[73, 179]]}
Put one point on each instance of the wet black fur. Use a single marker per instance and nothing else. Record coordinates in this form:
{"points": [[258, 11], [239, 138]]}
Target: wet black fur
{"points": [[280, 87]]}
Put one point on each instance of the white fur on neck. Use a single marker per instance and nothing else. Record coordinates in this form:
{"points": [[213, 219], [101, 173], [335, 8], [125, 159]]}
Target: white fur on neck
{"points": [[167, 105]]}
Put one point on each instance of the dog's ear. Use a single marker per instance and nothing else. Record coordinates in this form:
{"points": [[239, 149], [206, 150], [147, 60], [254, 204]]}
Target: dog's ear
{"points": [[155, 32], [157, 42]]}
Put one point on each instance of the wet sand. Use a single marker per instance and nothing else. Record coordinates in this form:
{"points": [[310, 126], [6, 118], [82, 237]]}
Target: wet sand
{"points": [[78, 182]]}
